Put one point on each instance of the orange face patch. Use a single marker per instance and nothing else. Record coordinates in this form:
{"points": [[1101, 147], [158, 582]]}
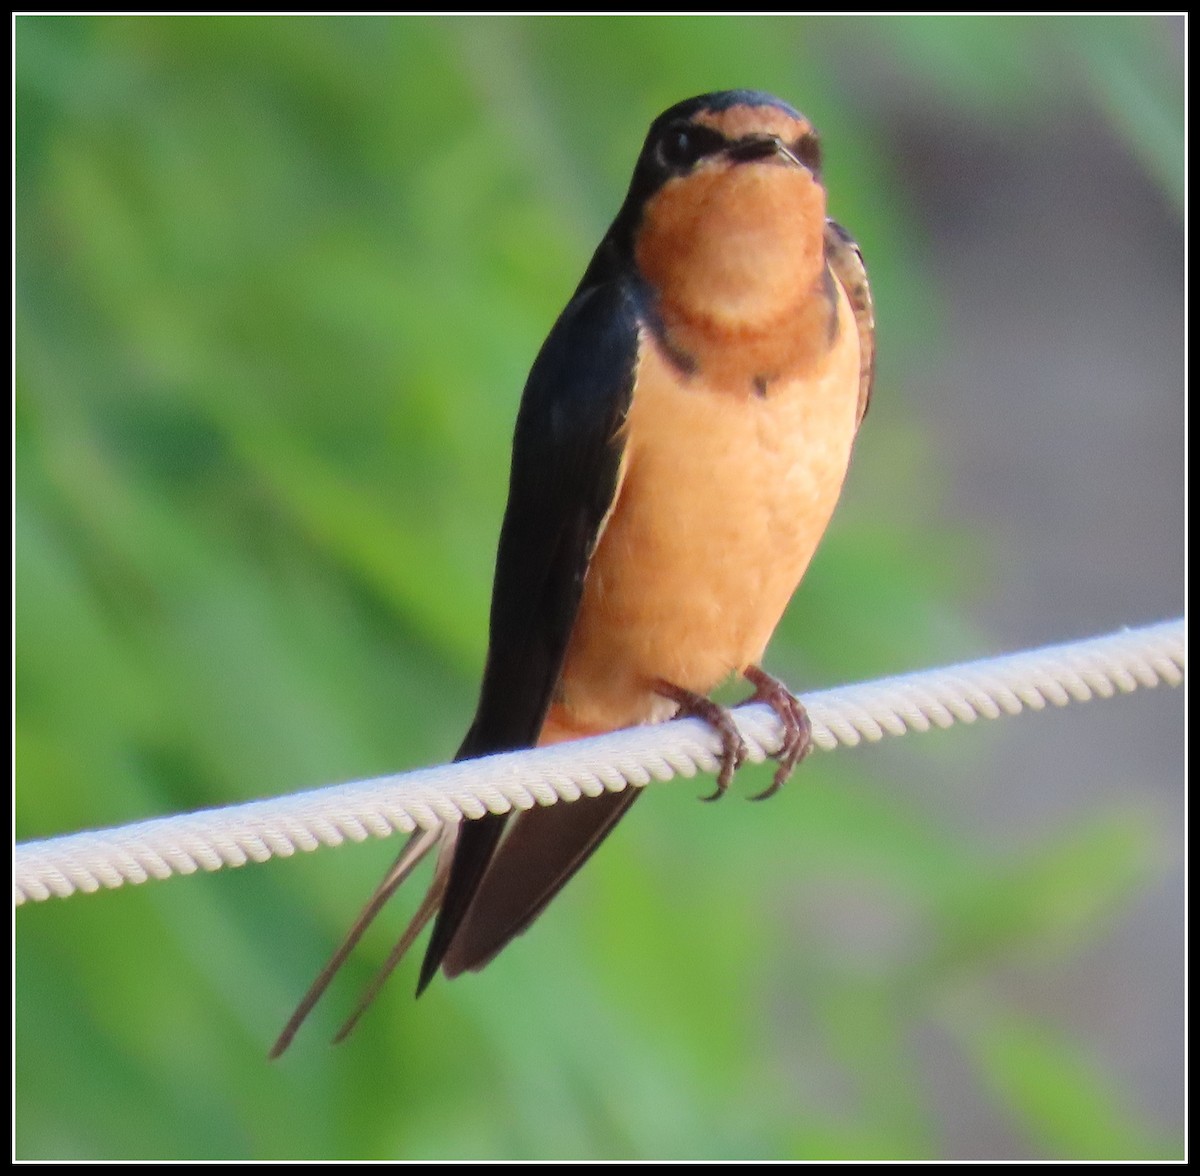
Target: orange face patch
{"points": [[739, 121]]}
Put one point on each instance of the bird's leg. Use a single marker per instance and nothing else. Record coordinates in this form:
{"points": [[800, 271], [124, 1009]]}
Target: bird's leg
{"points": [[693, 705], [797, 730]]}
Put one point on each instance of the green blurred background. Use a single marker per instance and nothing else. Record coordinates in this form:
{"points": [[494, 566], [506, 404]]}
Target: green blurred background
{"points": [[278, 284]]}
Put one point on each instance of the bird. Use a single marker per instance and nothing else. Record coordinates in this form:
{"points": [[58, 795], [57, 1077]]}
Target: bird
{"points": [[680, 445]]}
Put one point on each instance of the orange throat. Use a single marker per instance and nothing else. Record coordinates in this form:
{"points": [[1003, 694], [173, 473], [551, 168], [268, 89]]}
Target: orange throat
{"points": [[736, 256]]}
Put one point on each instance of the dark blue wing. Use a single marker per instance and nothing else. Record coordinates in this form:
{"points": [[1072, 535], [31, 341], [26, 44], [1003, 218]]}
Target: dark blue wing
{"points": [[566, 460]]}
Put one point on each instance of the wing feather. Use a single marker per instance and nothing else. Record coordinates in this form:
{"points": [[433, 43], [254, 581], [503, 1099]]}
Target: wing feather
{"points": [[846, 261], [567, 452]]}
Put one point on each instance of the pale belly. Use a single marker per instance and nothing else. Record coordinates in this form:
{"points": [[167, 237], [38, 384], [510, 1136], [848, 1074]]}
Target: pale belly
{"points": [[722, 504]]}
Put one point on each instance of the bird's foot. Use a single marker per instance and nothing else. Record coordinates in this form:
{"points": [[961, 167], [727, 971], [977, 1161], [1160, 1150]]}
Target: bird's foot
{"points": [[797, 730], [693, 705]]}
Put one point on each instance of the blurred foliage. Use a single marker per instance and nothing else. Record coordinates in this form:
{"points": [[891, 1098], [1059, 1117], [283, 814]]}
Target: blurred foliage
{"points": [[278, 283]]}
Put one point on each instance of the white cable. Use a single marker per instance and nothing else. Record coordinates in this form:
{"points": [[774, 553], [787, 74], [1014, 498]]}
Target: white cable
{"points": [[259, 830]]}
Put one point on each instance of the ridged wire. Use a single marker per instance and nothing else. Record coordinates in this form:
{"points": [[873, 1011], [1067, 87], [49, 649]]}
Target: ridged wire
{"points": [[259, 830]]}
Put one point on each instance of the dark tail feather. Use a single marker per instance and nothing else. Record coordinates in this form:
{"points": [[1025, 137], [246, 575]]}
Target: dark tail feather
{"points": [[485, 891], [476, 844], [429, 904], [417, 847], [543, 849]]}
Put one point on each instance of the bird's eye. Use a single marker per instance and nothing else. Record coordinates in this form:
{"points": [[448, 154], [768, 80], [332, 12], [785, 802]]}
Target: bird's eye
{"points": [[681, 146], [807, 149]]}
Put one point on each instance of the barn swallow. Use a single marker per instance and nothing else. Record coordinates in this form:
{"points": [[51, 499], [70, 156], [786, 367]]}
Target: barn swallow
{"points": [[680, 446]]}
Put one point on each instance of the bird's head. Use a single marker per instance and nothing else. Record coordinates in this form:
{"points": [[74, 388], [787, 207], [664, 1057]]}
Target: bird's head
{"points": [[725, 217]]}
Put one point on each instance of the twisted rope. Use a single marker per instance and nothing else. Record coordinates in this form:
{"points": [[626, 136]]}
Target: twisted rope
{"points": [[259, 830]]}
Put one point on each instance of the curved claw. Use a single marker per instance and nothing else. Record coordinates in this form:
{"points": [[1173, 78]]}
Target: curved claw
{"points": [[733, 749], [797, 729], [733, 752]]}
